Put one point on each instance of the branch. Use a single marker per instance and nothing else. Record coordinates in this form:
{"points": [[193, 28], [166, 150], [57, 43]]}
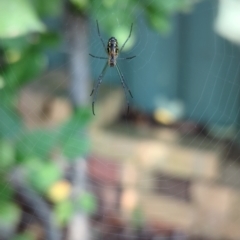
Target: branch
{"points": [[36, 205]]}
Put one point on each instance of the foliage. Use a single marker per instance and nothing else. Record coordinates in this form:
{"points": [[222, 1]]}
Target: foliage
{"points": [[9, 214], [63, 211], [24, 236], [115, 16], [24, 39], [31, 152], [41, 174], [87, 202], [10, 124]]}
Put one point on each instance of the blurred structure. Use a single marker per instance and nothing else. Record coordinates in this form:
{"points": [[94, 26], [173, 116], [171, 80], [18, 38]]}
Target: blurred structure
{"points": [[181, 183]]}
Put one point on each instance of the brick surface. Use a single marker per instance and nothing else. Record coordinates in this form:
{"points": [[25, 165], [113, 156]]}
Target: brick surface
{"points": [[167, 209], [211, 208]]}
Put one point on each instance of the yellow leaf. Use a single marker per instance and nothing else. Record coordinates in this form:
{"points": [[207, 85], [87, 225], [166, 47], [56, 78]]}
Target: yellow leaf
{"points": [[59, 191]]}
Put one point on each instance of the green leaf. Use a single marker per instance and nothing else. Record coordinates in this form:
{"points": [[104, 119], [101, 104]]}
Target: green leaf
{"points": [[20, 42], [2, 82], [177, 5], [79, 120], [7, 155], [48, 8], [9, 214], [24, 236], [82, 116], [45, 177], [137, 217], [87, 202], [80, 4], [10, 124], [37, 143], [159, 12], [63, 212], [123, 17], [41, 174], [169, 6], [6, 192], [76, 145], [158, 17], [29, 66], [161, 24], [70, 136], [49, 40], [73, 137], [17, 18]]}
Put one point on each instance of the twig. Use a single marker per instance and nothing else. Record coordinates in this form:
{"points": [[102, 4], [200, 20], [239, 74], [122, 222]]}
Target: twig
{"points": [[36, 205]]}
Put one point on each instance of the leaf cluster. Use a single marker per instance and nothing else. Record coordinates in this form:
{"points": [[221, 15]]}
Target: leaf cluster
{"points": [[112, 13], [24, 39]]}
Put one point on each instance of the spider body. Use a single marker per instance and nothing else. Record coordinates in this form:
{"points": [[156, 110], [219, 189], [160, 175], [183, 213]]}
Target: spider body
{"points": [[112, 52]]}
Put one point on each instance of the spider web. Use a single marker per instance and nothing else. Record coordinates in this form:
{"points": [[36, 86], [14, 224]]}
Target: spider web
{"points": [[176, 180]]}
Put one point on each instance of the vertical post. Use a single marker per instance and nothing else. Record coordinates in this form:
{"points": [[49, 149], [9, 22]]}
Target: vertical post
{"points": [[76, 30]]}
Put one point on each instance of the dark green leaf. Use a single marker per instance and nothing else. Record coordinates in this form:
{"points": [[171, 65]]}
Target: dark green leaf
{"points": [[28, 67], [161, 24], [79, 120], [6, 192], [37, 143], [72, 135], [47, 8], [49, 40], [15, 43], [7, 155], [80, 4], [10, 124], [76, 145]]}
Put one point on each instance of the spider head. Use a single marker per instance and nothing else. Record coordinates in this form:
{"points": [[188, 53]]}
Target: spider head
{"points": [[112, 46], [112, 42]]}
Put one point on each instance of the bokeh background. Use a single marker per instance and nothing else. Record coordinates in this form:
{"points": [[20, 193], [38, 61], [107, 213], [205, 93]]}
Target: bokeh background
{"points": [[167, 170]]}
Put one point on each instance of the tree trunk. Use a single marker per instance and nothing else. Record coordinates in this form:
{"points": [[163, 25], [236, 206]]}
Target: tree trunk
{"points": [[77, 47]]}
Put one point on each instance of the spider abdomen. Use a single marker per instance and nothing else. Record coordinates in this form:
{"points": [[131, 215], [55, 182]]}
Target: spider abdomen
{"points": [[112, 50]]}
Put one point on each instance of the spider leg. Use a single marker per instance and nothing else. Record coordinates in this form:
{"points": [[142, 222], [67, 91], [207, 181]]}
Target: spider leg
{"points": [[127, 39], [101, 37], [95, 89], [122, 79], [97, 56], [126, 58], [125, 87]]}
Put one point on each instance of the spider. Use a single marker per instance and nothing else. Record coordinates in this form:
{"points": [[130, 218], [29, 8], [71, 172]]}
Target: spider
{"points": [[112, 52]]}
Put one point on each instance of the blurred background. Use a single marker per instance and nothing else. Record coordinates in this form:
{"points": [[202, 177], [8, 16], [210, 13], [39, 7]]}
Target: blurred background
{"points": [[167, 170]]}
